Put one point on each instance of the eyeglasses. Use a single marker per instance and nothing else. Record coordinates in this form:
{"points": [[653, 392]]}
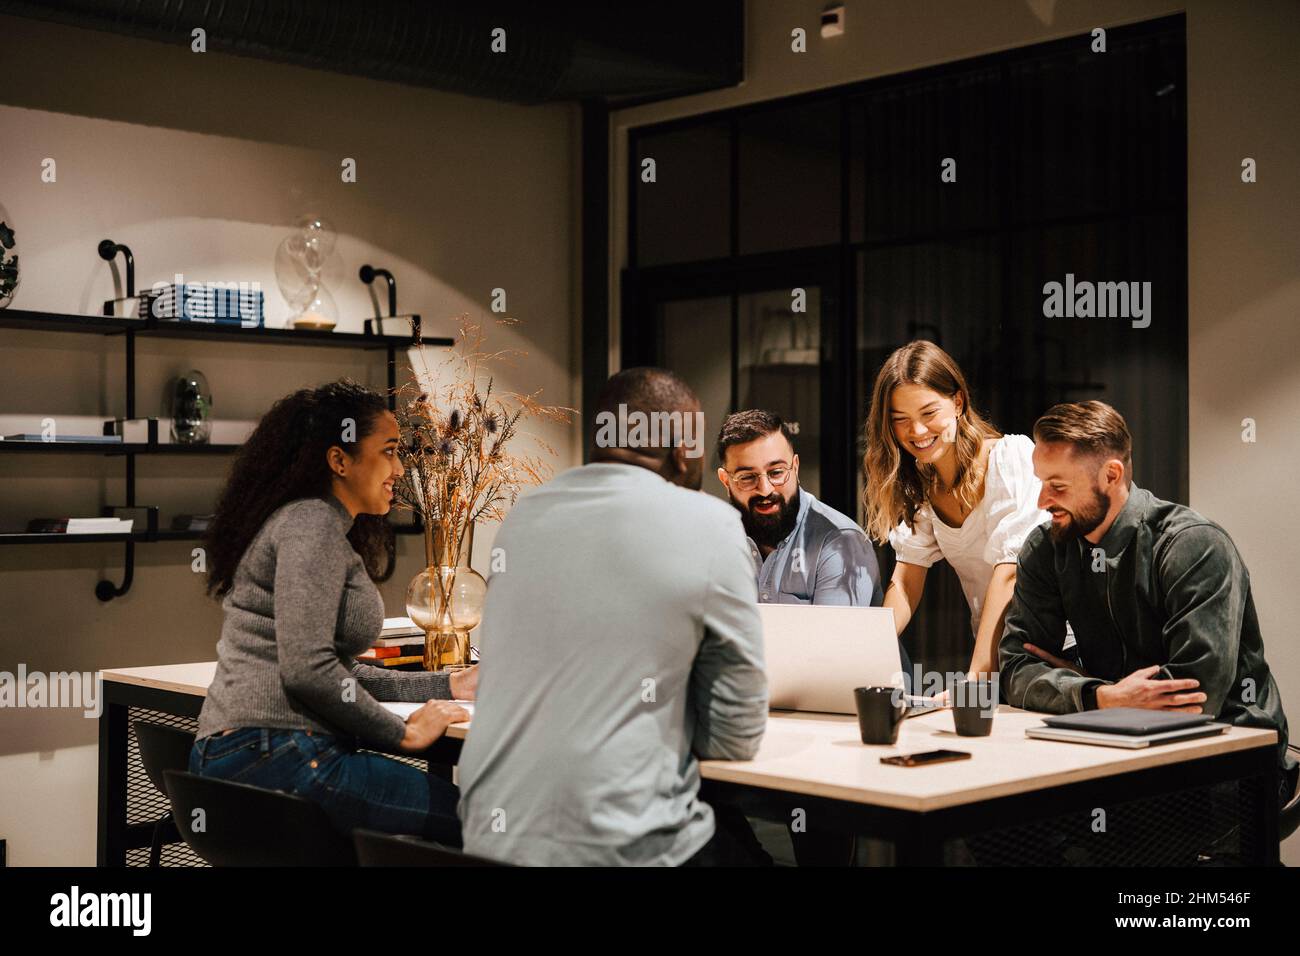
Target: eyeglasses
{"points": [[749, 480]]}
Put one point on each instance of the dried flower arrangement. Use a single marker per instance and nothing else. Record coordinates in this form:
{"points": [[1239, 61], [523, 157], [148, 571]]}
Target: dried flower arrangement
{"points": [[455, 428]]}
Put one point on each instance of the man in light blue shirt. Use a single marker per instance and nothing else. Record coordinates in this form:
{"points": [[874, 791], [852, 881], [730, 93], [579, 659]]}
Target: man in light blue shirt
{"points": [[803, 552], [621, 644]]}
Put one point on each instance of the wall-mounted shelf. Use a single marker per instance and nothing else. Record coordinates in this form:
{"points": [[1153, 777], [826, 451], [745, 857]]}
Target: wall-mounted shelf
{"points": [[151, 327], [137, 536], [117, 448], [158, 328]]}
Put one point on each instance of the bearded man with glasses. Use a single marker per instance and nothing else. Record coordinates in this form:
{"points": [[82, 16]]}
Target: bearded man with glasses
{"points": [[804, 551]]}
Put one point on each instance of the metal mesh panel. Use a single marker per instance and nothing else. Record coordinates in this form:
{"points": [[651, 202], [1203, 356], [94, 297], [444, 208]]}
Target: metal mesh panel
{"points": [[144, 804], [1197, 827], [173, 854]]}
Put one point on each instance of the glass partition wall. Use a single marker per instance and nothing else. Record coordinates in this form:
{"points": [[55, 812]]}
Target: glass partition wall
{"points": [[780, 251]]}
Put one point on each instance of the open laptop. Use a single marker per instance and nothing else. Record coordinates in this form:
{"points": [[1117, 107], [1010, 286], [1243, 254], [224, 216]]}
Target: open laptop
{"points": [[817, 654]]}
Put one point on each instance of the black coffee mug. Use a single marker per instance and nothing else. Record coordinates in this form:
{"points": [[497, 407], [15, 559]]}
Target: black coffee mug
{"points": [[974, 702], [880, 712]]}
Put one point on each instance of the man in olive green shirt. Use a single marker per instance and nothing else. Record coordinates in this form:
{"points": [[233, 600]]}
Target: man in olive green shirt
{"points": [[1157, 595]]}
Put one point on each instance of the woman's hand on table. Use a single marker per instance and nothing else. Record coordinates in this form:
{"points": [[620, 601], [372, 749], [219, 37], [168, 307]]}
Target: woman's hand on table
{"points": [[430, 722], [464, 684]]}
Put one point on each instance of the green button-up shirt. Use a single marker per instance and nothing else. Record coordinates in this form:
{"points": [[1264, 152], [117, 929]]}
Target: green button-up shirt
{"points": [[1164, 586]]}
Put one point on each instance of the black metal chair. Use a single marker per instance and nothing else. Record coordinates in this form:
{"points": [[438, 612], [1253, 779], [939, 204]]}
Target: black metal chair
{"points": [[252, 826], [162, 748], [1289, 816], [384, 849]]}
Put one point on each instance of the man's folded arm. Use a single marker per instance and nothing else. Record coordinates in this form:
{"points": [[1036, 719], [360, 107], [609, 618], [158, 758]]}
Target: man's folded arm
{"points": [[1036, 616]]}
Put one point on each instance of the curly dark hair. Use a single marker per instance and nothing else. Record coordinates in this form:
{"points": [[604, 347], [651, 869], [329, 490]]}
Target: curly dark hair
{"points": [[284, 460]]}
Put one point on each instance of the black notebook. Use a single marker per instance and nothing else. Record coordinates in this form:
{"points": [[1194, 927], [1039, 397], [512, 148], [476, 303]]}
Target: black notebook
{"points": [[1133, 721]]}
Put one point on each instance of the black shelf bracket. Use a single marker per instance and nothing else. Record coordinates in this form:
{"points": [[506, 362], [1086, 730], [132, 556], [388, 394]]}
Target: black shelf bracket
{"points": [[107, 590], [108, 250], [368, 275]]}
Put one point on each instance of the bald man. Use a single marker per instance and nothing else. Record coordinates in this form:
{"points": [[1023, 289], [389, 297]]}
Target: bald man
{"points": [[622, 644]]}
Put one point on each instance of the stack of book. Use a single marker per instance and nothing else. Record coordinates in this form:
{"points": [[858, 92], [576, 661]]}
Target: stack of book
{"points": [[79, 526], [220, 303], [400, 642]]}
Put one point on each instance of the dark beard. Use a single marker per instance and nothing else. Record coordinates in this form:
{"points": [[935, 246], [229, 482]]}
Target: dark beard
{"points": [[767, 531], [1085, 521]]}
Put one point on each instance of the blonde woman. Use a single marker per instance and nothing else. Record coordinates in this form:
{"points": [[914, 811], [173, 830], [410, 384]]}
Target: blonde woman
{"points": [[944, 484]]}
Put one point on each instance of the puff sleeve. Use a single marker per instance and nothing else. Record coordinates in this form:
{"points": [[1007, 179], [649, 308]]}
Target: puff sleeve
{"points": [[1012, 491], [916, 545]]}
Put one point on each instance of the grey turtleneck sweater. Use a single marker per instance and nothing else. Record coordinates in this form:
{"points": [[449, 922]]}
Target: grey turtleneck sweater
{"points": [[300, 609]]}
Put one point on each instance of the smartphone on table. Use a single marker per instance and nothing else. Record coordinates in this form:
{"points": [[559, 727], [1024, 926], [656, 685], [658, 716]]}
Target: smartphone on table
{"points": [[926, 758]]}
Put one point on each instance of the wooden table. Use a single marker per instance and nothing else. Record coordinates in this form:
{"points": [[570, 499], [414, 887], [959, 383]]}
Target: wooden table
{"points": [[1013, 790]]}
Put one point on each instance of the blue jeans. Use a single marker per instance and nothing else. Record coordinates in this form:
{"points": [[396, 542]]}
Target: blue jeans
{"points": [[355, 789]]}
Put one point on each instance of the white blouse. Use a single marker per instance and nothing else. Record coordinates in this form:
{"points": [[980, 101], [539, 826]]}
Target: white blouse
{"points": [[991, 534]]}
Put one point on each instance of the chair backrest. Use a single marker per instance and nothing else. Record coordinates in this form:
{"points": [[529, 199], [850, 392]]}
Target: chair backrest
{"points": [[162, 748], [242, 825], [384, 849], [1289, 817]]}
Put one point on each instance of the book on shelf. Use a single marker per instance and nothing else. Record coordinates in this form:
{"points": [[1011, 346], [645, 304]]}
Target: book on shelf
{"points": [[139, 430], [79, 526], [95, 439], [191, 522], [144, 516], [212, 303]]}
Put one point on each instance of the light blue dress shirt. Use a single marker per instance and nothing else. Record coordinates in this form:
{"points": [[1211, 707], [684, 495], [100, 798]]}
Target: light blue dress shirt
{"points": [[621, 645], [826, 559]]}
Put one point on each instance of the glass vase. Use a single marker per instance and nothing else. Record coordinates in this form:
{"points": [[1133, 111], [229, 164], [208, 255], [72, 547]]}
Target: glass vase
{"points": [[191, 409], [446, 599]]}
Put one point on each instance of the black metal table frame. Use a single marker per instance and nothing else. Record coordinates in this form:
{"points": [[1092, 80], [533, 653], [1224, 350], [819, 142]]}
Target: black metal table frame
{"points": [[918, 837]]}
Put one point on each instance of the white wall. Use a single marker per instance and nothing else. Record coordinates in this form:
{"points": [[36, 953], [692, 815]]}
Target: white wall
{"points": [[200, 162], [1243, 98]]}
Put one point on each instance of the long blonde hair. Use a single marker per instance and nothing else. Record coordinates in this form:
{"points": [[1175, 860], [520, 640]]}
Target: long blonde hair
{"points": [[896, 484]]}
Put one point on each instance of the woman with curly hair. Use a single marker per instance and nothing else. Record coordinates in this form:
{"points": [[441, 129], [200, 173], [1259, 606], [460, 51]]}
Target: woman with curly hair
{"points": [[942, 483], [298, 539]]}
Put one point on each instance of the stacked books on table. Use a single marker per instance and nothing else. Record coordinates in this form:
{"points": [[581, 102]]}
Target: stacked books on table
{"points": [[400, 642], [1128, 727], [80, 526]]}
